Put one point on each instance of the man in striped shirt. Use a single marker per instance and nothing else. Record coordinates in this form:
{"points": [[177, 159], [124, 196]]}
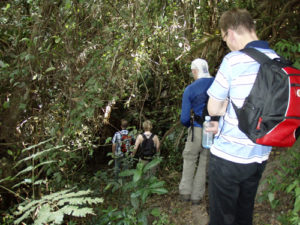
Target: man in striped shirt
{"points": [[236, 163], [117, 152]]}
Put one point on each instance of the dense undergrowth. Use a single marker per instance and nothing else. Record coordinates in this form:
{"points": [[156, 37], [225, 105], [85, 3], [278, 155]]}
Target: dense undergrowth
{"points": [[99, 198], [282, 190], [70, 69]]}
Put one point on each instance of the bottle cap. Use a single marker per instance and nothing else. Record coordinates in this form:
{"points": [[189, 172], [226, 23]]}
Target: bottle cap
{"points": [[207, 118]]}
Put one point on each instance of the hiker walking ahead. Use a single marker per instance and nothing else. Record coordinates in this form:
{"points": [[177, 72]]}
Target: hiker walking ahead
{"points": [[121, 143], [192, 184], [236, 163], [146, 144]]}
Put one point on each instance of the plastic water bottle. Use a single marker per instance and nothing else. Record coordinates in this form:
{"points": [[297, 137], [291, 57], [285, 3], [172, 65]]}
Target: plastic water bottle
{"points": [[207, 137]]}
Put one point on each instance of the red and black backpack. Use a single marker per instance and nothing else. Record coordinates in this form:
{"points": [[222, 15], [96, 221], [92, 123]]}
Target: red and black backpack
{"points": [[270, 114], [126, 142]]}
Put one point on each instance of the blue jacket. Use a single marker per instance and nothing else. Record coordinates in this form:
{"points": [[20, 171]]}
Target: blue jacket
{"points": [[194, 97]]}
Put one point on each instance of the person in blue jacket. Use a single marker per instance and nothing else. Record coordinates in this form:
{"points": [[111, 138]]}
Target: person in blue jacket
{"points": [[192, 184]]}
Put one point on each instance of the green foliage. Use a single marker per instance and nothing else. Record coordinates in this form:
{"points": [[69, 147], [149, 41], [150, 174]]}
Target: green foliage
{"points": [[289, 50], [39, 159], [37, 163], [7, 219], [162, 218], [134, 194], [174, 145], [285, 180], [294, 189], [52, 208]]}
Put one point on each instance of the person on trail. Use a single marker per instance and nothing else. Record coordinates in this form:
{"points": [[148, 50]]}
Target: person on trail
{"points": [[236, 163], [146, 145], [121, 143], [192, 184]]}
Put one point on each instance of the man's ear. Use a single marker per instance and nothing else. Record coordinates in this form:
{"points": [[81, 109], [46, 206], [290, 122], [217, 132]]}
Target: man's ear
{"points": [[231, 33]]}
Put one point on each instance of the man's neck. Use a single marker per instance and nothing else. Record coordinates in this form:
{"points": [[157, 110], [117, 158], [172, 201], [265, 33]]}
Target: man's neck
{"points": [[245, 38]]}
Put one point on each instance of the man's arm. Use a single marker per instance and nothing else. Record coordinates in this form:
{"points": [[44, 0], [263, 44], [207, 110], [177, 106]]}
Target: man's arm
{"points": [[216, 107], [185, 109], [114, 143], [113, 148], [157, 143]]}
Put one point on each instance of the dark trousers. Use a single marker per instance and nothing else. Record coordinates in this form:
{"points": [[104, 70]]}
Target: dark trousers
{"points": [[232, 190]]}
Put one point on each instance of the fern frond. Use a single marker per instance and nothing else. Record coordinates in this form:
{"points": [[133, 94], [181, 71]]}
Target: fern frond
{"points": [[76, 211], [83, 212], [38, 182], [55, 195], [34, 146], [25, 181], [56, 217], [66, 195], [6, 178], [68, 209], [51, 209], [91, 201], [27, 206], [28, 169], [80, 201], [24, 216], [43, 215], [38, 154], [75, 201], [79, 193]]}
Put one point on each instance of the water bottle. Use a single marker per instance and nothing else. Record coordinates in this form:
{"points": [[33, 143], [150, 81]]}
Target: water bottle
{"points": [[207, 137]]}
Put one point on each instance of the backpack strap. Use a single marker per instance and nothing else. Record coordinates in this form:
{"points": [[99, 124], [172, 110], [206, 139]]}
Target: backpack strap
{"points": [[120, 132], [151, 137], [144, 136], [258, 56], [121, 135]]}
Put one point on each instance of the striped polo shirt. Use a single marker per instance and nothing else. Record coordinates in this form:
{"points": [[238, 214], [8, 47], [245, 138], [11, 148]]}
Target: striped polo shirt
{"points": [[117, 139], [234, 81]]}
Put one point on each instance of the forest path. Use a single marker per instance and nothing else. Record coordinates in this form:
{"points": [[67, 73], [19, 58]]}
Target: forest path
{"points": [[179, 212]]}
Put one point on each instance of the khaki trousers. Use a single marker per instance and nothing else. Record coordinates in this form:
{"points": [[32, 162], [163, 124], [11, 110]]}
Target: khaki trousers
{"points": [[195, 159]]}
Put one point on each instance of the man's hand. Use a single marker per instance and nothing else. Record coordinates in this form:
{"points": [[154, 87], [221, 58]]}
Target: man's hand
{"points": [[213, 128]]}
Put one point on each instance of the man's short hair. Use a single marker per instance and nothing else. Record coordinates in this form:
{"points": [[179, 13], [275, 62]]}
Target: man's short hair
{"points": [[147, 125], [236, 19], [124, 123]]}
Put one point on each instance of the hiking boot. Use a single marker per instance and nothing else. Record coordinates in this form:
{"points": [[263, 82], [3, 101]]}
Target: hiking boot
{"points": [[196, 202], [185, 198]]}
